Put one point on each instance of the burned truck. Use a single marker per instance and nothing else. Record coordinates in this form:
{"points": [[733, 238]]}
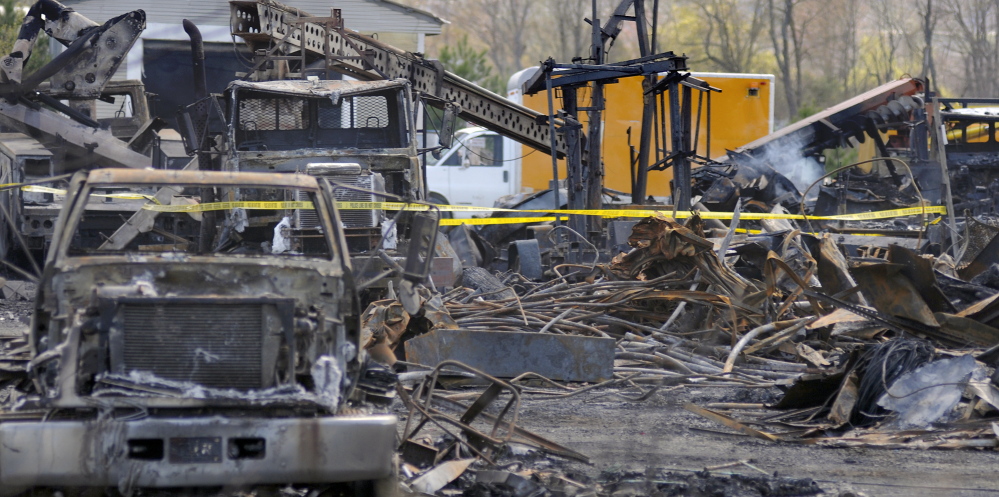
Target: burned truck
{"points": [[159, 364], [358, 135]]}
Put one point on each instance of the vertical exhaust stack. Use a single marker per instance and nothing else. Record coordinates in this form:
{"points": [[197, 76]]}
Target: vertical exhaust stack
{"points": [[197, 60], [201, 125]]}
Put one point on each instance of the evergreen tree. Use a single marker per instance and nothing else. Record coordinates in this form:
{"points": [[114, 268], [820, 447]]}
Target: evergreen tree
{"points": [[471, 64]]}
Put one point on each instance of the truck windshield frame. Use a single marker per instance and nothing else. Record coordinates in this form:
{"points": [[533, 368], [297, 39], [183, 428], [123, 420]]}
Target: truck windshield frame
{"points": [[267, 121], [272, 221]]}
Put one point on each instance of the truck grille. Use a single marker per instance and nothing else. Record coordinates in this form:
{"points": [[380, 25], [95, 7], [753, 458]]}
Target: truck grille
{"points": [[356, 218], [217, 345], [307, 218]]}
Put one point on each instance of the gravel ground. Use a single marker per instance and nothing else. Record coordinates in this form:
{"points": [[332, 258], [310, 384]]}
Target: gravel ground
{"points": [[632, 437]]}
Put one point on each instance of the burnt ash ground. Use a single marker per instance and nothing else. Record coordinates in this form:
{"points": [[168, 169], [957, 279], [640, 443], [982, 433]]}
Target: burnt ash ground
{"points": [[660, 433], [624, 437]]}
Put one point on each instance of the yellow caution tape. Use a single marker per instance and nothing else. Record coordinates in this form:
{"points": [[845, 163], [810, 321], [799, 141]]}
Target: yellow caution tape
{"points": [[610, 213], [221, 206], [125, 196], [761, 232], [398, 206], [478, 221], [607, 213]]}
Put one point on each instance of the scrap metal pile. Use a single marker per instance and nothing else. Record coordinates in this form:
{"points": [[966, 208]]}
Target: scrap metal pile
{"points": [[897, 351]]}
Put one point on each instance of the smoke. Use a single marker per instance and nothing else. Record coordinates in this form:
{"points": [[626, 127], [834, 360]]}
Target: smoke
{"points": [[786, 157]]}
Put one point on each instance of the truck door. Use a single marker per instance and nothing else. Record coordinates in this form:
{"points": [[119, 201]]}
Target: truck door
{"points": [[480, 175]]}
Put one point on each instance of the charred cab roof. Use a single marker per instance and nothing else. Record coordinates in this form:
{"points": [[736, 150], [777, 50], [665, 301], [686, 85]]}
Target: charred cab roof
{"points": [[118, 176], [318, 88]]}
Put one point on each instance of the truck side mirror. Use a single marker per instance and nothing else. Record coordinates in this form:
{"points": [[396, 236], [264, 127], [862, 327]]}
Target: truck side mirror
{"points": [[419, 258], [194, 123], [189, 133], [446, 134]]}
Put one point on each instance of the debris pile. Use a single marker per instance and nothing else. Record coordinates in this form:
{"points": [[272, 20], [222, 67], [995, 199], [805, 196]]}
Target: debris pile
{"points": [[15, 352], [676, 308], [872, 346]]}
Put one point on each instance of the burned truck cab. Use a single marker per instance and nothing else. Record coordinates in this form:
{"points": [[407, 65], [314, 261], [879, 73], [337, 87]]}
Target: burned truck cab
{"points": [[360, 136], [161, 364], [355, 133]]}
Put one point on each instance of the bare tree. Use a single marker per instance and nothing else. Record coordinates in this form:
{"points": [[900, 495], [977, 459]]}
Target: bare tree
{"points": [[786, 35], [929, 23], [896, 47], [842, 54], [733, 29], [821, 51], [977, 21], [567, 35], [504, 26]]}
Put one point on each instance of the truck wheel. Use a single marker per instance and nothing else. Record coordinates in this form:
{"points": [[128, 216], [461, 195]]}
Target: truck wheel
{"points": [[437, 198]]}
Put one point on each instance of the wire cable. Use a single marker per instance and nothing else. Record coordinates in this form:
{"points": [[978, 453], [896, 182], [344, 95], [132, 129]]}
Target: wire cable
{"points": [[922, 201], [462, 145]]}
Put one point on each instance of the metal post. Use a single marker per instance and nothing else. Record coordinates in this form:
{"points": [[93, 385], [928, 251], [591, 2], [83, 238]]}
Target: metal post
{"points": [[648, 110], [575, 170], [577, 183], [551, 134], [681, 168], [707, 134], [644, 143], [593, 170], [941, 153]]}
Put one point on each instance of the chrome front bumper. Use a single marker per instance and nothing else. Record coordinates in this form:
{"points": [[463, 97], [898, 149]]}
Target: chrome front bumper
{"points": [[192, 452]]}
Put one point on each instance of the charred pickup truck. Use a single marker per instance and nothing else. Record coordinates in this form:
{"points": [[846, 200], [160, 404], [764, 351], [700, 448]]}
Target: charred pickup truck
{"points": [[160, 364]]}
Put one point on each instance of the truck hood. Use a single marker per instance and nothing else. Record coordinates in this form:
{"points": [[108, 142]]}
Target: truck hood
{"points": [[382, 159]]}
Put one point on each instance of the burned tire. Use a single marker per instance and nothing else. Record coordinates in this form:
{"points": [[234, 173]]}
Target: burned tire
{"points": [[525, 258]]}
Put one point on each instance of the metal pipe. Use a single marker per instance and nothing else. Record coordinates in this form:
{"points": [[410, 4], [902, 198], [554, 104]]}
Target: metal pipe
{"points": [[207, 232], [197, 60]]}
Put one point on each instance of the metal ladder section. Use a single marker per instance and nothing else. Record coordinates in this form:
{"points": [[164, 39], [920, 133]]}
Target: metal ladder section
{"points": [[276, 32]]}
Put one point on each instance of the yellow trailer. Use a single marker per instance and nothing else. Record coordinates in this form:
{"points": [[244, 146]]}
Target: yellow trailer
{"points": [[742, 112]]}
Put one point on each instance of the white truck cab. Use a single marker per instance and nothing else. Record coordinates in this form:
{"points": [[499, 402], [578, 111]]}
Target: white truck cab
{"points": [[479, 167]]}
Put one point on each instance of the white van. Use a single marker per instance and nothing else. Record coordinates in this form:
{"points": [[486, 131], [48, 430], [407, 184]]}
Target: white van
{"points": [[479, 168]]}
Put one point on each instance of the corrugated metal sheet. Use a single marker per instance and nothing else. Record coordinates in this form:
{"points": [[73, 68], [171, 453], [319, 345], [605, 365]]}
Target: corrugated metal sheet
{"points": [[366, 16], [171, 11]]}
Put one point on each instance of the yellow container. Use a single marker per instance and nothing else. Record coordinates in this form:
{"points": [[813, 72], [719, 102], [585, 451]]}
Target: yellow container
{"points": [[741, 113]]}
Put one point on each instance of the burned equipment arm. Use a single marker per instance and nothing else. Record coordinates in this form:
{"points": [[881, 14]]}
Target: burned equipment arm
{"points": [[61, 22], [93, 55], [277, 32]]}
